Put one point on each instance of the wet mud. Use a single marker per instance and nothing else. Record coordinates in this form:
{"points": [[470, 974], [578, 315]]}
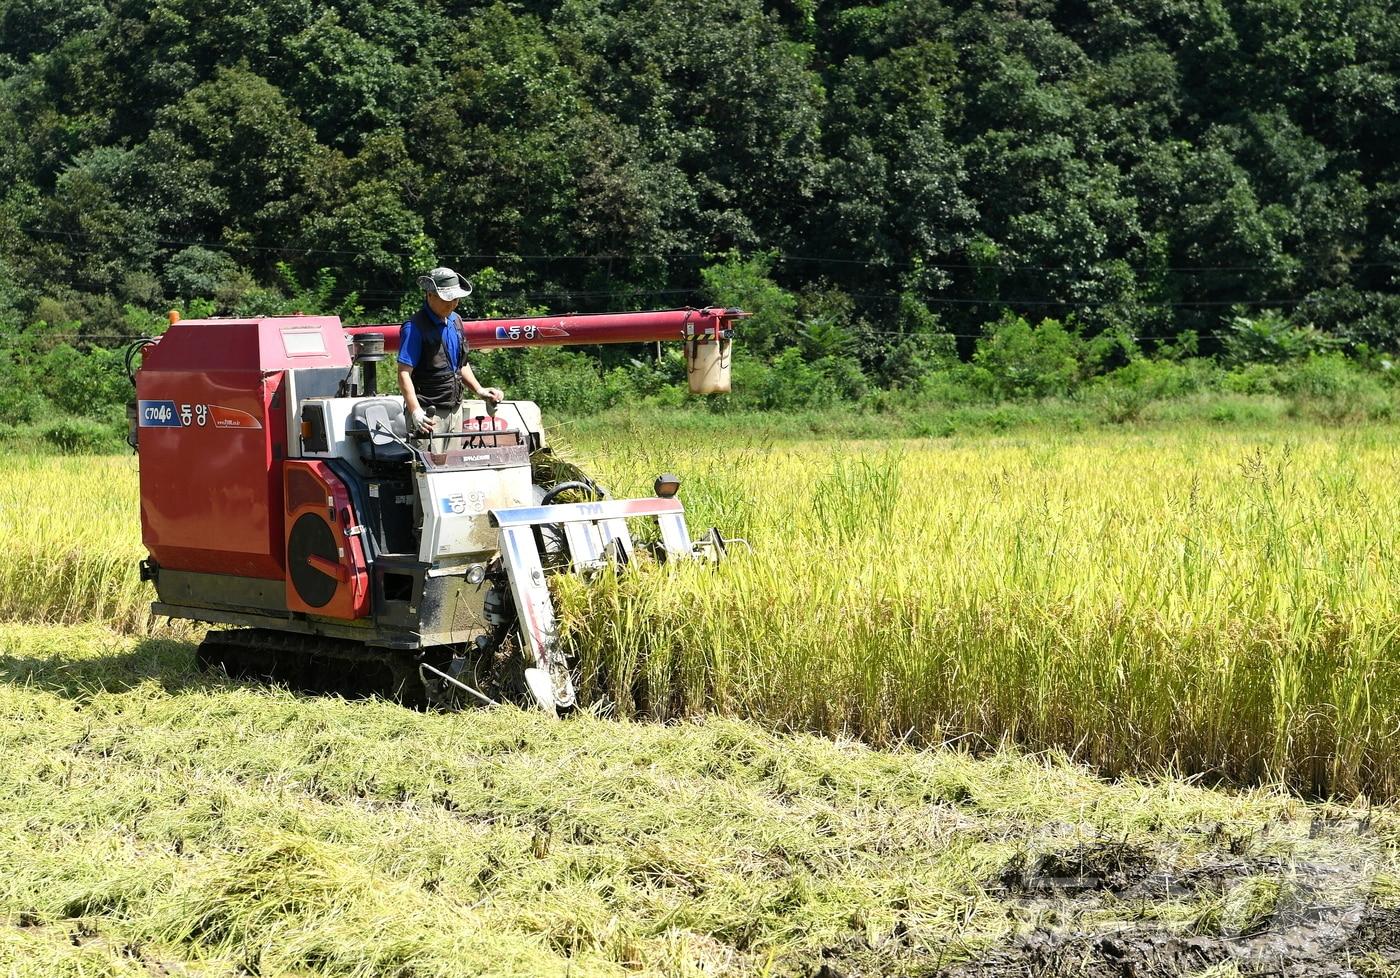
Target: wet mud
{"points": [[1077, 908], [1349, 943], [1305, 933]]}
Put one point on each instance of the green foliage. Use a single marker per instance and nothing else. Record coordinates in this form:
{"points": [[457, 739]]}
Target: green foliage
{"points": [[198, 271], [78, 436], [82, 383], [745, 283], [20, 404], [1017, 359], [1161, 379], [876, 183], [794, 383], [921, 346], [557, 380], [1328, 387], [1269, 337]]}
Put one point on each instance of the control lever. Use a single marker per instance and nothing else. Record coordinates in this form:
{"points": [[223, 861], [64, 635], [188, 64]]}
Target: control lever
{"points": [[431, 412], [382, 428]]}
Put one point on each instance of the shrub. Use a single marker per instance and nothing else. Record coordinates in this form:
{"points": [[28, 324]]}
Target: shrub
{"points": [[1253, 378], [1329, 388], [83, 383], [955, 384], [1269, 337], [1161, 379], [1121, 403], [78, 436], [1018, 360], [793, 384], [199, 272], [20, 404], [558, 380], [1328, 375], [745, 282]]}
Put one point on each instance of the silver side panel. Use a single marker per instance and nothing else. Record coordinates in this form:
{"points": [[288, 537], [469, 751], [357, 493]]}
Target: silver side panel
{"points": [[455, 505], [337, 410], [538, 625]]}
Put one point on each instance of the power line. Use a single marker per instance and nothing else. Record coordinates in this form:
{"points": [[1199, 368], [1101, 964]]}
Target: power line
{"points": [[854, 330], [343, 291], [347, 291], [288, 250], [1091, 304]]}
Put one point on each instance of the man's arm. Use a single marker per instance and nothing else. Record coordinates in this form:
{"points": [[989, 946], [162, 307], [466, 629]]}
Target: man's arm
{"points": [[474, 385], [418, 418]]}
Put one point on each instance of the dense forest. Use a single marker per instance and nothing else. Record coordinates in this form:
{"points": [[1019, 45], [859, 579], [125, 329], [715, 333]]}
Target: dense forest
{"points": [[893, 186]]}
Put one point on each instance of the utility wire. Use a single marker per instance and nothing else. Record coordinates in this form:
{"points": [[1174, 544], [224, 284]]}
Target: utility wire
{"points": [[342, 292], [855, 332], [816, 259]]}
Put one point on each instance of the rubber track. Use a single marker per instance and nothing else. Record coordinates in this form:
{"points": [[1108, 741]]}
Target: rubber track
{"points": [[312, 664]]}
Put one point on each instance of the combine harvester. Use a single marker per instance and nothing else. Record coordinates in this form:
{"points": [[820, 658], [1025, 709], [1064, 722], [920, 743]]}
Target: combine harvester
{"points": [[283, 495]]}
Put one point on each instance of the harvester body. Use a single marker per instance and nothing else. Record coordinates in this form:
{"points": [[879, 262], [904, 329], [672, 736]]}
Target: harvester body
{"points": [[282, 495]]}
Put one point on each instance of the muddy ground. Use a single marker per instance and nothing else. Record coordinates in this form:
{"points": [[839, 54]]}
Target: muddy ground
{"points": [[1097, 911]]}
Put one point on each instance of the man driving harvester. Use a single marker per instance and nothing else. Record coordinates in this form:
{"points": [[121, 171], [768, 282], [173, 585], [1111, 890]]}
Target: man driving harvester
{"points": [[433, 356]]}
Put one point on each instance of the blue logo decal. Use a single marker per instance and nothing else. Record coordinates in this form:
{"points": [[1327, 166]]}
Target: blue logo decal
{"points": [[157, 414]]}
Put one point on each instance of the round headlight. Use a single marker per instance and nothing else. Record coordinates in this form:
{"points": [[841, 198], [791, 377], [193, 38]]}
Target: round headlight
{"points": [[667, 485]]}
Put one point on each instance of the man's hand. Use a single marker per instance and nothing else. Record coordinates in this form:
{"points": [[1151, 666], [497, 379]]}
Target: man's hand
{"points": [[492, 394], [421, 422]]}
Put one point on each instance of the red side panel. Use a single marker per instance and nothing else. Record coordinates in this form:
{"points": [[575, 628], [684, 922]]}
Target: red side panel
{"points": [[212, 434], [327, 573]]}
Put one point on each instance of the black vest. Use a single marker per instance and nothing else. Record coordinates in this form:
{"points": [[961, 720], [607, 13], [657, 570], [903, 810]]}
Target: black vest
{"points": [[435, 379]]}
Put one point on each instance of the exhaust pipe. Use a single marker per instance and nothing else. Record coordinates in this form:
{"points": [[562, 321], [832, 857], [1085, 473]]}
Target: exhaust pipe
{"points": [[369, 350]]}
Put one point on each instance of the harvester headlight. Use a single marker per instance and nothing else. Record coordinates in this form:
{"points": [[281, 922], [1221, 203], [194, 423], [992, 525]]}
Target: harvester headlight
{"points": [[476, 573], [667, 485]]}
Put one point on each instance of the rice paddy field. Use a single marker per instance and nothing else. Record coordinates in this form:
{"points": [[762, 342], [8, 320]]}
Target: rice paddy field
{"points": [[1100, 703]]}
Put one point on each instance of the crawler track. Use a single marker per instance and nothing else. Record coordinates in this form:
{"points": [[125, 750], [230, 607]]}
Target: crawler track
{"points": [[340, 667], [314, 664]]}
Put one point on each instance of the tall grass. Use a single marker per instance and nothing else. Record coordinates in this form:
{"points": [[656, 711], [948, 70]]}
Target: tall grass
{"points": [[1202, 602], [71, 537], [1199, 601]]}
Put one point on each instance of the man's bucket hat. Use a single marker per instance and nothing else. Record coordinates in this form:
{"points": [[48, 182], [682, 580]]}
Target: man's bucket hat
{"points": [[446, 283]]}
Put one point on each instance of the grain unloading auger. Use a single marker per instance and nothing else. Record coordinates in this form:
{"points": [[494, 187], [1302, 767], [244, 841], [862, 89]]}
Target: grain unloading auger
{"points": [[283, 495]]}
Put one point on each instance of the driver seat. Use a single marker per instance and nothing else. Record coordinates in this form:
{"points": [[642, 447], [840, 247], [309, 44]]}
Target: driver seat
{"points": [[374, 422]]}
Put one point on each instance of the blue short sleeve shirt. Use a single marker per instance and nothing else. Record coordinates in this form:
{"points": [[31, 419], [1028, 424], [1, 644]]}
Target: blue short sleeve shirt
{"points": [[411, 337]]}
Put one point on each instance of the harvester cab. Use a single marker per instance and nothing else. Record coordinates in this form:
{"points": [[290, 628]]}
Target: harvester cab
{"points": [[285, 498]]}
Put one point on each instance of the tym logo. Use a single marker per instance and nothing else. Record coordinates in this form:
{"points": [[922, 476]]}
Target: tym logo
{"points": [[157, 414]]}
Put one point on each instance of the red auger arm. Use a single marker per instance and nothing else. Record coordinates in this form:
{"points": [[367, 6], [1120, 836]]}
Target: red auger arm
{"points": [[583, 329], [706, 333]]}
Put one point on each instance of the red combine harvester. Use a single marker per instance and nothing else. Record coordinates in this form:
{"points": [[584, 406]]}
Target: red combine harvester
{"points": [[283, 495]]}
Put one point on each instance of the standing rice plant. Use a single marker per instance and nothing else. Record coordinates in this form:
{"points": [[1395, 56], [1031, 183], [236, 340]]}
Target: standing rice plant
{"points": [[72, 542], [1207, 602], [1222, 605]]}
